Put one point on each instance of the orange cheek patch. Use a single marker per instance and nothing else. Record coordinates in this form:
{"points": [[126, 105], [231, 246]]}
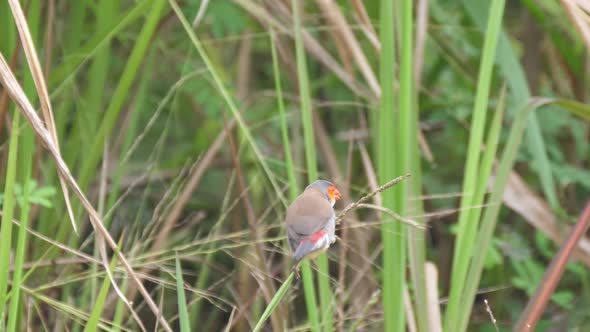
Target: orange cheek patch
{"points": [[334, 193]]}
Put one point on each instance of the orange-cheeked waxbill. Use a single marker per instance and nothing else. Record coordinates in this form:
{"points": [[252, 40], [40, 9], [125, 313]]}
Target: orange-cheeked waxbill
{"points": [[311, 220]]}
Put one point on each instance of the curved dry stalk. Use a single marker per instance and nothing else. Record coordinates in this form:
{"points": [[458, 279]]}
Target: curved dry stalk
{"points": [[537, 303], [395, 216], [315, 48], [37, 75], [578, 14], [20, 99], [334, 15], [370, 195]]}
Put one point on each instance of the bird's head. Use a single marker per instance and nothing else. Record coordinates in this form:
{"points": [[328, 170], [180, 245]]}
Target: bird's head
{"points": [[327, 188]]}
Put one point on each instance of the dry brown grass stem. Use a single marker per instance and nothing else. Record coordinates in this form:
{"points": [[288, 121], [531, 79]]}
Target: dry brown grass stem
{"points": [[395, 216], [372, 301], [491, 314], [410, 317], [342, 262], [312, 46], [519, 197], [579, 12], [200, 13], [434, 317], [359, 239], [538, 302], [259, 261], [335, 17], [38, 78], [20, 99], [183, 199], [366, 25], [370, 195]]}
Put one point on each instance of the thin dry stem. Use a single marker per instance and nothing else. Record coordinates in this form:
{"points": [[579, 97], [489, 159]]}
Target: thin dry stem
{"points": [[38, 78], [370, 195], [366, 24], [200, 13], [579, 18], [396, 216], [18, 96], [410, 318], [314, 47], [491, 314], [434, 317], [334, 15], [266, 285]]}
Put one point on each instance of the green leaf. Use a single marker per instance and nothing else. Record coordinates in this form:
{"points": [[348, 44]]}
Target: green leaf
{"points": [[564, 299]]}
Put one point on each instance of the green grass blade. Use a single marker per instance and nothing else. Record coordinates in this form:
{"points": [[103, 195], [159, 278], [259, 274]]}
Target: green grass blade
{"points": [[140, 99], [293, 189], [99, 68], [312, 175], [485, 171], [227, 98], [393, 273], [290, 167], [63, 73], [513, 74], [8, 29], [94, 319], [25, 158], [304, 97], [467, 225], [89, 120], [76, 22], [121, 93], [576, 108], [182, 309], [487, 161], [409, 159], [120, 309], [490, 218], [281, 292], [8, 204]]}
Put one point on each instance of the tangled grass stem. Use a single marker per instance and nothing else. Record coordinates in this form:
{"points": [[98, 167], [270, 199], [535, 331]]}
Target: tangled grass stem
{"points": [[370, 195]]}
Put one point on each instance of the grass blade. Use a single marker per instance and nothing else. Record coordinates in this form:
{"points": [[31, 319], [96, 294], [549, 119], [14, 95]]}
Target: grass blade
{"points": [[312, 175], [17, 94], [281, 292], [227, 98], [393, 274], [63, 73], [293, 188], [25, 159], [121, 92], [8, 204], [490, 217], [467, 225], [94, 319], [513, 73], [182, 310], [409, 161]]}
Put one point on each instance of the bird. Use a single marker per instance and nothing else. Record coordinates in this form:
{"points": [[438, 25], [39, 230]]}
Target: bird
{"points": [[311, 221]]}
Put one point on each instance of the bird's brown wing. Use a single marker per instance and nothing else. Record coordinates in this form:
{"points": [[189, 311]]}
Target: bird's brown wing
{"points": [[308, 214]]}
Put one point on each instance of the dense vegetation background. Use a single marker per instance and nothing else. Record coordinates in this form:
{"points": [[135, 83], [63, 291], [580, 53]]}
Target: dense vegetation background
{"points": [[191, 125]]}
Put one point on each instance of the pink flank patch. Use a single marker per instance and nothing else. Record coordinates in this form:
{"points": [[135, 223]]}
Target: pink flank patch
{"points": [[317, 236]]}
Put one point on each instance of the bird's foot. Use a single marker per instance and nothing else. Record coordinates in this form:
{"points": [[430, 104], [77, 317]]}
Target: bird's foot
{"points": [[295, 270]]}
